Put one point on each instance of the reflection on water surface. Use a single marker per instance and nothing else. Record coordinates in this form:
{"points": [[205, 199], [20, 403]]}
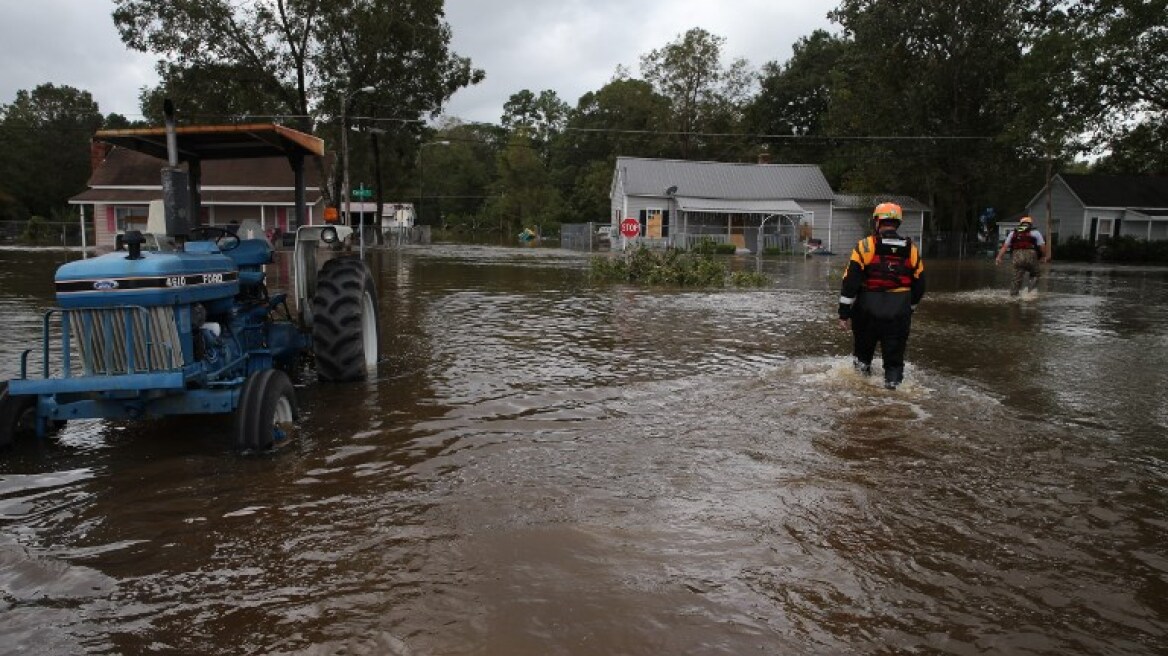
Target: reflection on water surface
{"points": [[547, 467]]}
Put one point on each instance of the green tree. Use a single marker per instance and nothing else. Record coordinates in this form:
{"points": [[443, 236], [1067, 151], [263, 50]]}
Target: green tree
{"points": [[269, 44], [624, 117], [210, 93], [542, 117], [794, 98], [706, 97], [302, 58], [1139, 150], [926, 95], [1125, 53], [454, 171], [45, 158], [522, 194], [1124, 60]]}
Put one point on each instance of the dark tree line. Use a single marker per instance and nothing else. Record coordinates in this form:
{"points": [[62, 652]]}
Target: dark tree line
{"points": [[966, 106]]}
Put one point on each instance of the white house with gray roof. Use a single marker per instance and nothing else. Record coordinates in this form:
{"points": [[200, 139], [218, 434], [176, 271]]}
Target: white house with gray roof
{"points": [[680, 203], [1098, 207]]}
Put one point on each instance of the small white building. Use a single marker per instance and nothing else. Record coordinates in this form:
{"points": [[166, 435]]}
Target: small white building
{"points": [[397, 216]]}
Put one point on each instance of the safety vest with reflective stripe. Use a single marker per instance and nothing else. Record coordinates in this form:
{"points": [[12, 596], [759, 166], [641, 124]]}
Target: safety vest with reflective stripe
{"points": [[890, 262]]}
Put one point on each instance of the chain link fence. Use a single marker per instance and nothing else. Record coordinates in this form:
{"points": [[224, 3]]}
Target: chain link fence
{"points": [[957, 245], [42, 232]]}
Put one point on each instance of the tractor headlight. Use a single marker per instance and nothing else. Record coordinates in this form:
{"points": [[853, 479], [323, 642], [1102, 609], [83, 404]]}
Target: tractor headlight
{"points": [[328, 235]]}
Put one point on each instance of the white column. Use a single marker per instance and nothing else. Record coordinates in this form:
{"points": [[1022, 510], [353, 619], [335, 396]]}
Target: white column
{"points": [[85, 246]]}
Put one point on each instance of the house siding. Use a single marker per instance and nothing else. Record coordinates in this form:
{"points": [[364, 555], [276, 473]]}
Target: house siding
{"points": [[1067, 214], [1159, 230], [105, 218], [850, 225]]}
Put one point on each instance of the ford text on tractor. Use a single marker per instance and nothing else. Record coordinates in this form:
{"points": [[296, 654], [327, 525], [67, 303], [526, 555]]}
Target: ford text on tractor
{"points": [[183, 323]]}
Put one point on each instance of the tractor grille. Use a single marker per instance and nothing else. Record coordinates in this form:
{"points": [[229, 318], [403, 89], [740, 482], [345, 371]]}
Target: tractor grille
{"points": [[122, 340]]}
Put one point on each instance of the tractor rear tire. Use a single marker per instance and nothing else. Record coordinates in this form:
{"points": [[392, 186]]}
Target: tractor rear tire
{"points": [[267, 411], [345, 332], [17, 416]]}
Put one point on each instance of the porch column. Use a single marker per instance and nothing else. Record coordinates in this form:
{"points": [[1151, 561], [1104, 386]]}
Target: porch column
{"points": [[85, 248]]}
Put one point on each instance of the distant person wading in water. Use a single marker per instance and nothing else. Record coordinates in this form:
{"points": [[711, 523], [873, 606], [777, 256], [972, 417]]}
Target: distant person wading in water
{"points": [[1027, 248]]}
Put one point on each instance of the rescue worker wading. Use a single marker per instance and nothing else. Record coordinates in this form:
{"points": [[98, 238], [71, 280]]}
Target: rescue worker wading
{"points": [[1027, 248], [883, 283]]}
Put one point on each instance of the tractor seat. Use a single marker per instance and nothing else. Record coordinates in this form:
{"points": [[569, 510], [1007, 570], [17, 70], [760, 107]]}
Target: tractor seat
{"points": [[251, 253]]}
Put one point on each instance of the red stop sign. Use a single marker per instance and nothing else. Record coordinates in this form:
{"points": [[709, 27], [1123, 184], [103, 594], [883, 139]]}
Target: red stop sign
{"points": [[630, 228]]}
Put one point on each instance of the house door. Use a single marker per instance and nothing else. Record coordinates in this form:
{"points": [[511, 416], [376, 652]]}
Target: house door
{"points": [[736, 227], [1102, 230]]}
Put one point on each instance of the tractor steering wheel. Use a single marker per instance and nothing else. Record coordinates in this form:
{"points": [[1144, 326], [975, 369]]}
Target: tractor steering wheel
{"points": [[225, 240]]}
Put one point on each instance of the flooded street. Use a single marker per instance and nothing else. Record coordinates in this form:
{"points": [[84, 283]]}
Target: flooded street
{"points": [[544, 466]]}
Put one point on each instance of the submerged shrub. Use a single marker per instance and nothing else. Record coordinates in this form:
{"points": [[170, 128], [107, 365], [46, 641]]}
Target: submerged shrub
{"points": [[749, 279], [1075, 248], [669, 268], [1124, 249]]}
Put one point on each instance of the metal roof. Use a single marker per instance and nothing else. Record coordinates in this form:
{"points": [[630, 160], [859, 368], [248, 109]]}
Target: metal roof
{"points": [[729, 206], [654, 177], [1119, 190], [205, 142], [869, 201]]}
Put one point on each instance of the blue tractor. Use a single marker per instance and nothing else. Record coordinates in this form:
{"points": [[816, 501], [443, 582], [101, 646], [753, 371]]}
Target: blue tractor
{"points": [[182, 323]]}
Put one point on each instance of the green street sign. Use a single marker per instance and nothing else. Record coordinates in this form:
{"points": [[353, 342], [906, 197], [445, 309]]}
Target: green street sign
{"points": [[361, 193]]}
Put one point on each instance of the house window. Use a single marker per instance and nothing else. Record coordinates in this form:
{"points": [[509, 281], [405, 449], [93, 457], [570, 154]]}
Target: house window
{"points": [[655, 223], [131, 218]]}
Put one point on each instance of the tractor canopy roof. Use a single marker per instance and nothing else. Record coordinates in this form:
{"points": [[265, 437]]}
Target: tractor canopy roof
{"points": [[202, 142]]}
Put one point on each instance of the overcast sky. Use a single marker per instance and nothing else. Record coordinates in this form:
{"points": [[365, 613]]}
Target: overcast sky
{"points": [[569, 46]]}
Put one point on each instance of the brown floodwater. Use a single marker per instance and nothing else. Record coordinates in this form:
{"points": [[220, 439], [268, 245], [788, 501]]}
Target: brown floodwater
{"points": [[543, 466]]}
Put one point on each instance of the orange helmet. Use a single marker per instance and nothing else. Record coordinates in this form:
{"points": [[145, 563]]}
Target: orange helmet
{"points": [[886, 212]]}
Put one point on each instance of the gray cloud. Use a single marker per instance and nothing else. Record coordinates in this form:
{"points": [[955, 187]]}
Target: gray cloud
{"points": [[573, 47], [569, 46], [73, 43]]}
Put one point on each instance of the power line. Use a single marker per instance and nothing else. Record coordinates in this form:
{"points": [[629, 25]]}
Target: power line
{"points": [[800, 137]]}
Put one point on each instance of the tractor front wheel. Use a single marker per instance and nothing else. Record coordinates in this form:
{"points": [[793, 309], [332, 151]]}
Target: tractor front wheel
{"points": [[344, 321], [267, 411], [17, 416]]}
